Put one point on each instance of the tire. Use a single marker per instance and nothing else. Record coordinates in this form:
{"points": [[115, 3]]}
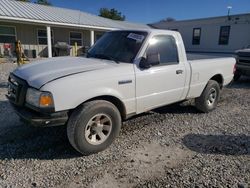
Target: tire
{"points": [[93, 126], [209, 97], [237, 76]]}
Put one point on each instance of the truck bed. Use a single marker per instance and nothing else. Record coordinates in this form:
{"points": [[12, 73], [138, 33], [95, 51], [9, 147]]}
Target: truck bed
{"points": [[204, 69]]}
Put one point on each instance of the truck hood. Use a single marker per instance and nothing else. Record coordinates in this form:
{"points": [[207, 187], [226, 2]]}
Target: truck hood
{"points": [[41, 72]]}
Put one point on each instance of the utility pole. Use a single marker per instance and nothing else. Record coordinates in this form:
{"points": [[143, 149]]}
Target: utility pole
{"points": [[228, 12]]}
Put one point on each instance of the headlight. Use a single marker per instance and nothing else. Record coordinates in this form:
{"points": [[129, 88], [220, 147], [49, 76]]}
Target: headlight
{"points": [[39, 99]]}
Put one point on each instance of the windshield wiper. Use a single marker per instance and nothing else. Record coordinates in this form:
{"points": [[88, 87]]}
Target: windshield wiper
{"points": [[104, 56]]}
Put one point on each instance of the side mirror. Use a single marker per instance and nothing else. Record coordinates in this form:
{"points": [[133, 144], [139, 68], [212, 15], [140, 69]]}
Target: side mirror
{"points": [[151, 60], [144, 64]]}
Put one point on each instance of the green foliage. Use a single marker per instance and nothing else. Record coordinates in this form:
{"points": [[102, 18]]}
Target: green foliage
{"points": [[24, 0], [111, 14], [43, 2]]}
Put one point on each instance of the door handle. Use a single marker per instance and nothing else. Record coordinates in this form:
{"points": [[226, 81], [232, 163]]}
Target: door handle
{"points": [[179, 71]]}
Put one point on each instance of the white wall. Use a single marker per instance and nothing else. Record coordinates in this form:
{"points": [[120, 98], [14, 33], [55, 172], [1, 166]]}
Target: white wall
{"points": [[210, 31]]}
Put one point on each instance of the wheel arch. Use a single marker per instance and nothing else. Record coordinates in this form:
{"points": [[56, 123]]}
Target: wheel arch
{"points": [[218, 78], [112, 99]]}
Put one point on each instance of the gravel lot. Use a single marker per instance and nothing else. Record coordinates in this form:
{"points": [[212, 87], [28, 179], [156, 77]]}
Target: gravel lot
{"points": [[174, 146]]}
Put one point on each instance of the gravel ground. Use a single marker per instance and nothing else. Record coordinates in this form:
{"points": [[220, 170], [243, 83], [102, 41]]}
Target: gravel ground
{"points": [[174, 146]]}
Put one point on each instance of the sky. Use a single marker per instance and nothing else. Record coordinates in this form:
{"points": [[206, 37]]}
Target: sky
{"points": [[150, 11]]}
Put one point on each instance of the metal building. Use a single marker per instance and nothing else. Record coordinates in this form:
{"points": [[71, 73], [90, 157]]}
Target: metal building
{"points": [[217, 34], [40, 27]]}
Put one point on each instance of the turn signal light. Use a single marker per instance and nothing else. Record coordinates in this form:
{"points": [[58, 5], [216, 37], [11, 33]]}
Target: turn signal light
{"points": [[46, 100]]}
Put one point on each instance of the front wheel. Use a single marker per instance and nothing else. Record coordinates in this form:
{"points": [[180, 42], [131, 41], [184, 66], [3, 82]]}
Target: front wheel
{"points": [[209, 97], [93, 126]]}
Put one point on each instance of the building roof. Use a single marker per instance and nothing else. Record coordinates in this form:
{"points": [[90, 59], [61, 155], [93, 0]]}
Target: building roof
{"points": [[30, 12], [236, 17]]}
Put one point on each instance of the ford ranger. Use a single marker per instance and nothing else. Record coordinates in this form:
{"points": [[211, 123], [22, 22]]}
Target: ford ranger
{"points": [[127, 72]]}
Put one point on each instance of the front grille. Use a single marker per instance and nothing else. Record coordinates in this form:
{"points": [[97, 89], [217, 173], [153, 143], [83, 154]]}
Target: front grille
{"points": [[17, 89], [244, 61], [243, 58]]}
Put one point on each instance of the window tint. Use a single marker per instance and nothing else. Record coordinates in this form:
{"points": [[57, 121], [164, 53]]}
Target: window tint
{"points": [[121, 46], [98, 36], [75, 37], [224, 35], [166, 47], [7, 34], [196, 36], [42, 36]]}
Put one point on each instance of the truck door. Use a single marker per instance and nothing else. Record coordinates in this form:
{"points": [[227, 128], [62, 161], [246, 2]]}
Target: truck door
{"points": [[163, 83]]}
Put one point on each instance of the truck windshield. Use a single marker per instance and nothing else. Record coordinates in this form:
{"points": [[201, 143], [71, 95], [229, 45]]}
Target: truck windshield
{"points": [[118, 46]]}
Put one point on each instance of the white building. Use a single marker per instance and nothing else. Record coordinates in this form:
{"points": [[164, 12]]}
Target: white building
{"points": [[218, 34]]}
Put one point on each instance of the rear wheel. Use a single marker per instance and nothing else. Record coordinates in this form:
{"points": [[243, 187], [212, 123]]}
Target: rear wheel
{"points": [[93, 126], [209, 97]]}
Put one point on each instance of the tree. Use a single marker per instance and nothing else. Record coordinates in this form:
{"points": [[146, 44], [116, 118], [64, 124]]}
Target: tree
{"points": [[24, 0], [43, 2], [111, 14]]}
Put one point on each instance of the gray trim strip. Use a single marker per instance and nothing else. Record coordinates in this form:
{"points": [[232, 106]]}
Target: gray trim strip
{"points": [[124, 82]]}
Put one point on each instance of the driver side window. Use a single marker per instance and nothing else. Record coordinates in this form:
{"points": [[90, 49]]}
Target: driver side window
{"points": [[165, 46]]}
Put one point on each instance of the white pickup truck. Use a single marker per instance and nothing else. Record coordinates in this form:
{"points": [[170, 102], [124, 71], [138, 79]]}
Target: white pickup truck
{"points": [[127, 72]]}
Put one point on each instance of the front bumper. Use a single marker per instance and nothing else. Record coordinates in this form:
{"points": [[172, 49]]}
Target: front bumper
{"points": [[243, 69], [41, 120], [37, 117]]}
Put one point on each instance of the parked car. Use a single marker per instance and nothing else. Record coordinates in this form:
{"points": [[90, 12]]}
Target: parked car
{"points": [[125, 73], [243, 63]]}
